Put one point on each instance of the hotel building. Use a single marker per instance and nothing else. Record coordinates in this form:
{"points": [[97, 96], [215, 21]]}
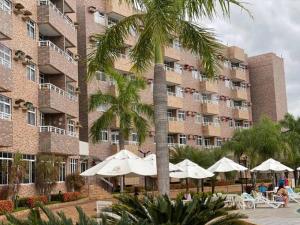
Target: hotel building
{"points": [[44, 94]]}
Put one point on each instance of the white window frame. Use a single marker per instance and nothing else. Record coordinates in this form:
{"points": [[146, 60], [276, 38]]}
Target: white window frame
{"points": [[197, 96], [31, 168], [5, 5], [182, 139], [31, 111], [198, 118], [6, 158], [114, 136], [5, 107], [31, 29], [135, 137], [231, 123], [207, 142], [5, 56], [181, 115], [62, 172], [31, 72], [71, 126], [171, 139], [199, 140], [219, 142], [85, 164], [73, 166], [103, 136]]}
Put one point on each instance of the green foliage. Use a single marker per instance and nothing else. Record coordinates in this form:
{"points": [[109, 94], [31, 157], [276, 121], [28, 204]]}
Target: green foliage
{"points": [[124, 105], [162, 210], [260, 142], [74, 182], [47, 175]]}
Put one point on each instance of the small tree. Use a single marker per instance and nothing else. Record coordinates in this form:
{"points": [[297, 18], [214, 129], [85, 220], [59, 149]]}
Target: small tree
{"points": [[15, 174], [47, 175], [74, 182]]}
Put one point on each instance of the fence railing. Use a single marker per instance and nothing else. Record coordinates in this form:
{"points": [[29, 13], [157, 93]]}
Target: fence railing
{"points": [[5, 116], [215, 124], [176, 70], [61, 92], [56, 130], [51, 5], [57, 49], [215, 102], [242, 108]]}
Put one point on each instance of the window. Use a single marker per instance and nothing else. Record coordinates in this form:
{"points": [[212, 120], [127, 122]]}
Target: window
{"points": [[83, 166], [181, 115], [135, 137], [177, 68], [30, 69], [103, 108], [179, 91], [115, 137], [70, 89], [5, 56], [5, 108], [31, 29], [5, 164], [206, 142], [246, 124], [195, 74], [198, 118], [99, 17], [227, 83], [171, 139], [31, 115], [62, 172], [231, 123], [5, 5], [104, 135], [199, 140], [42, 119], [71, 127], [219, 142], [74, 165], [29, 175], [197, 96], [182, 139]]}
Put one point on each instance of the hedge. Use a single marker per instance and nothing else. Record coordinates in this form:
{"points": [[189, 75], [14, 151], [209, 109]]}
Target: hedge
{"points": [[71, 196], [31, 201]]}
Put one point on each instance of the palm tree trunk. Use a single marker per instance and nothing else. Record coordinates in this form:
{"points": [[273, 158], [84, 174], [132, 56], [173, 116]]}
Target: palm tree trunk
{"points": [[121, 147], [161, 122]]}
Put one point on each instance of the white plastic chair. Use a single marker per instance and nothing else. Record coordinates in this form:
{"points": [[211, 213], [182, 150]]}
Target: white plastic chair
{"points": [[247, 200], [293, 196], [260, 199]]}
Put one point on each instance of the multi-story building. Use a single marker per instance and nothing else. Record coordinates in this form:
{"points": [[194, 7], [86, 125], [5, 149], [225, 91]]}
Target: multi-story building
{"points": [[39, 107], [201, 112], [42, 107]]}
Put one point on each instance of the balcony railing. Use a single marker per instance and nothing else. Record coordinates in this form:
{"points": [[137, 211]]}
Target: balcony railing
{"points": [[176, 70], [239, 88], [66, 18], [5, 6], [215, 102], [57, 49], [242, 108], [51, 87], [171, 118], [215, 124], [5, 116], [174, 94], [56, 130]]}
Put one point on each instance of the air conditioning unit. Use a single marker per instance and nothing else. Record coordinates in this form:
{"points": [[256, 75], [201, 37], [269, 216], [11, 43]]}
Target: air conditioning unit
{"points": [[92, 9], [19, 55], [26, 15], [27, 60], [18, 8], [18, 103]]}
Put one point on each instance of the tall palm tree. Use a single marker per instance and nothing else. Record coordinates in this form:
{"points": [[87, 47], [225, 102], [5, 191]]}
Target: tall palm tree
{"points": [[291, 134], [156, 23], [124, 105]]}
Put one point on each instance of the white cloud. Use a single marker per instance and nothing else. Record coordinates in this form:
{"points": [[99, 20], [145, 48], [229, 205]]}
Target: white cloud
{"points": [[275, 27]]}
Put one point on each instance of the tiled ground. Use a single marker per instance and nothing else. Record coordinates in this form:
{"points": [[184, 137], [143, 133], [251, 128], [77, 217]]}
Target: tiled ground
{"points": [[269, 216]]}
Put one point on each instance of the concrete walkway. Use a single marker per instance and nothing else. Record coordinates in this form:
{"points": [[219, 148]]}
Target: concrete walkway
{"points": [[269, 216]]}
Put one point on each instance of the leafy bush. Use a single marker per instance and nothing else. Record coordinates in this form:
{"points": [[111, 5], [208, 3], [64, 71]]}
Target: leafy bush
{"points": [[57, 197], [32, 201], [70, 196], [22, 202], [6, 206], [74, 182]]}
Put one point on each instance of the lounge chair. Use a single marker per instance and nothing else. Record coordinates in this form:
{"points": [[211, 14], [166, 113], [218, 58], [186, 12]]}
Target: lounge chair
{"points": [[247, 200], [260, 199], [293, 196]]}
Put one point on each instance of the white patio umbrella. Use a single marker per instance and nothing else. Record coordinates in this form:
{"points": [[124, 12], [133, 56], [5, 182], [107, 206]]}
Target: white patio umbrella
{"points": [[152, 160], [271, 165], [120, 164], [226, 165], [190, 170]]}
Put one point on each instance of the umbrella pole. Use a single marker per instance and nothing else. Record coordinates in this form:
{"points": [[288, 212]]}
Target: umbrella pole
{"points": [[242, 181], [145, 184], [187, 184], [122, 182]]}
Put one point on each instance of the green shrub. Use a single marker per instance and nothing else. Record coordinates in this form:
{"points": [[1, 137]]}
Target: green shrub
{"points": [[74, 182]]}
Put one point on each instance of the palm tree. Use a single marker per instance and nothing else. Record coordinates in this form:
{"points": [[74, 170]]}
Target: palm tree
{"points": [[162, 210], [291, 135], [156, 23], [124, 106]]}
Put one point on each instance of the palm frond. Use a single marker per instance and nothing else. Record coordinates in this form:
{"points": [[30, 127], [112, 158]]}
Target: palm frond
{"points": [[100, 99]]}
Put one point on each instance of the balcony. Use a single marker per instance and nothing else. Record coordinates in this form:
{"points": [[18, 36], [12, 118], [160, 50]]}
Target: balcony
{"points": [[70, 6], [55, 100], [176, 125], [53, 60], [236, 54], [241, 113], [210, 107], [173, 54], [211, 129], [239, 93], [6, 131], [57, 140], [5, 27], [6, 81], [54, 23], [123, 63], [209, 86], [173, 76], [114, 8], [238, 74], [174, 101]]}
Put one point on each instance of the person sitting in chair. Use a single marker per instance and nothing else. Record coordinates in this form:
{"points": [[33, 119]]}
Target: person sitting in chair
{"points": [[282, 195]]}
